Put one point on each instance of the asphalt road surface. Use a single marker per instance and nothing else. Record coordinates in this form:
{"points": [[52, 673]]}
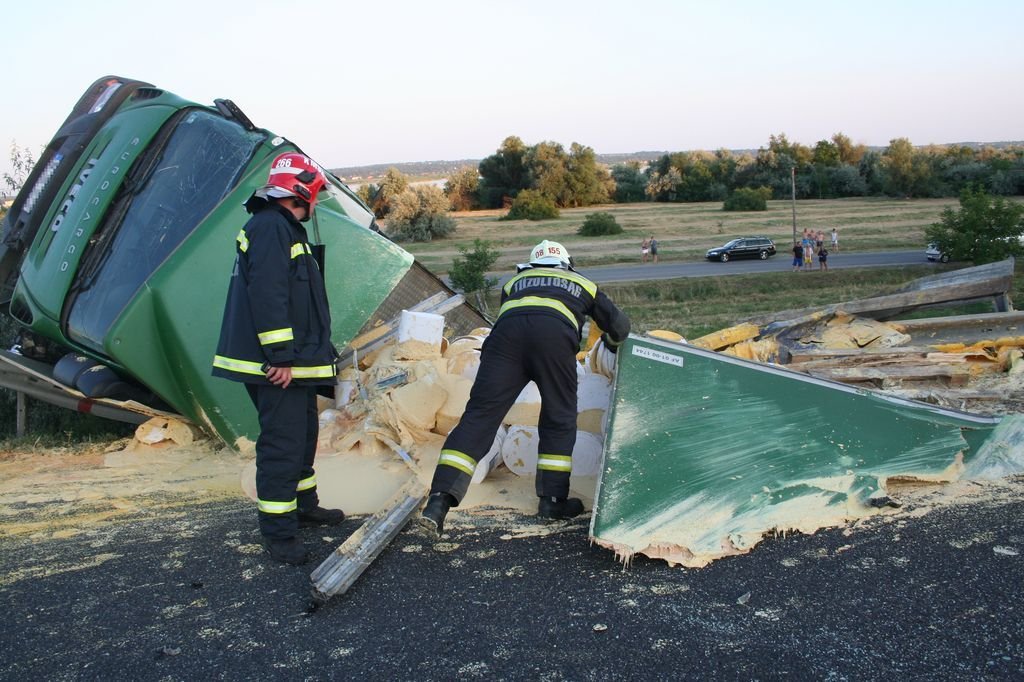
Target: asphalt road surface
{"points": [[780, 262], [186, 594]]}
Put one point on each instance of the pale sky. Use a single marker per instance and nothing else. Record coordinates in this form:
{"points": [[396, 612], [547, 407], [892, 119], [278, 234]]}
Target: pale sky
{"points": [[398, 80]]}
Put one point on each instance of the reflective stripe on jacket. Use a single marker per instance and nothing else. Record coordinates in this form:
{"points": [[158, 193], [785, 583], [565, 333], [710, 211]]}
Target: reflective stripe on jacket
{"points": [[276, 312], [566, 294]]}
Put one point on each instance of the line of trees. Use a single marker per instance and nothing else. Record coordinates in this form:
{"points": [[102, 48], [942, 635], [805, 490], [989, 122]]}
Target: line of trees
{"points": [[534, 181], [830, 169]]}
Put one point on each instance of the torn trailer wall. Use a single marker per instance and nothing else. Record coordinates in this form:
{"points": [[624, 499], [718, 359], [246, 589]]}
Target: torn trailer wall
{"points": [[706, 453]]}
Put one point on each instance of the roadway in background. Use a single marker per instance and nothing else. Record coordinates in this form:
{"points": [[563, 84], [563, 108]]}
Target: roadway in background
{"points": [[780, 262]]}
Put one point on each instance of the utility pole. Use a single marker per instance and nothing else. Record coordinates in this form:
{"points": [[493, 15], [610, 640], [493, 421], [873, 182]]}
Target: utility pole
{"points": [[792, 185]]}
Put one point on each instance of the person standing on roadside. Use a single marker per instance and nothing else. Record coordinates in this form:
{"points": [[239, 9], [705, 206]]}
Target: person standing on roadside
{"points": [[822, 258], [798, 256], [654, 249], [835, 239], [276, 339], [645, 248], [536, 337]]}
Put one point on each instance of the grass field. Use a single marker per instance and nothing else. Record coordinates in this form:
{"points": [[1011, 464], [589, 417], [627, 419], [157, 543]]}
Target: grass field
{"points": [[686, 231], [697, 306]]}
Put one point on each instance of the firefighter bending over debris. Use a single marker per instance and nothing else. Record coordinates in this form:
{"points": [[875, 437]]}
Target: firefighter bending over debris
{"points": [[276, 339], [535, 338]]}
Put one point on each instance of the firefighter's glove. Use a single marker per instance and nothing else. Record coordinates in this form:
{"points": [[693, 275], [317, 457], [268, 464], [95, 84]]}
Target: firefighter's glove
{"points": [[609, 344]]}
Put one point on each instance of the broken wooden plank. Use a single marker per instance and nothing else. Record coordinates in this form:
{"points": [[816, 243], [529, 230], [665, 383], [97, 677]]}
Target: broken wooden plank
{"points": [[939, 368], [981, 282], [957, 398], [896, 375], [869, 355], [1009, 321], [966, 329], [852, 361], [814, 354], [978, 357], [999, 271]]}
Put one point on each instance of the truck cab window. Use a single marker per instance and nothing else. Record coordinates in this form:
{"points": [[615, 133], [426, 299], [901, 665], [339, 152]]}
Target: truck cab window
{"points": [[167, 194]]}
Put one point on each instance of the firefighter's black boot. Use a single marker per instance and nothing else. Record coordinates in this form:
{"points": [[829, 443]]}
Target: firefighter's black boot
{"points": [[318, 516], [288, 551], [432, 517], [559, 507]]}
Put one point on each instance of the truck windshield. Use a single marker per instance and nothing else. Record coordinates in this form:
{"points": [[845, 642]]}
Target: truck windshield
{"points": [[166, 196]]}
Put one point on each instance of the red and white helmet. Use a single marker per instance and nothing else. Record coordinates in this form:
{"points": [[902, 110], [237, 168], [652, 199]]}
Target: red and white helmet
{"points": [[293, 175], [550, 253], [297, 174]]}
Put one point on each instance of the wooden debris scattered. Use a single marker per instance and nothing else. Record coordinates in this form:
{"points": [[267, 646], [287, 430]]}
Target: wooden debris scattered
{"points": [[990, 282], [963, 361]]}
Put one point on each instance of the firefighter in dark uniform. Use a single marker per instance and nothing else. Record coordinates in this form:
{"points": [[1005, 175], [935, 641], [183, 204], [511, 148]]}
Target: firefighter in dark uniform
{"points": [[535, 338], [275, 338]]}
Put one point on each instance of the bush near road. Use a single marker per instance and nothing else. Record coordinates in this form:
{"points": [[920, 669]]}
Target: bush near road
{"points": [[984, 229]]}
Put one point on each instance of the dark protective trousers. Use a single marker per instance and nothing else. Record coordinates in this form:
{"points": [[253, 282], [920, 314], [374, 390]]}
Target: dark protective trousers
{"points": [[285, 451], [521, 348]]}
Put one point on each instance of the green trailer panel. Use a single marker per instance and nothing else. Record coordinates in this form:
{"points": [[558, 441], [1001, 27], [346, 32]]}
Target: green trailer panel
{"points": [[705, 453]]}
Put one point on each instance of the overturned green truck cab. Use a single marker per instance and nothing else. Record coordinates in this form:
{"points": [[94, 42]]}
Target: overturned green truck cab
{"points": [[120, 246]]}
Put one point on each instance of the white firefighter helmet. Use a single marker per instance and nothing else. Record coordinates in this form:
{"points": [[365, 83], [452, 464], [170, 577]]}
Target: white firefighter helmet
{"points": [[550, 253]]}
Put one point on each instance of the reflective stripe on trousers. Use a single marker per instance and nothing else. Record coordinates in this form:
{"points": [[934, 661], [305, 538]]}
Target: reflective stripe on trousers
{"points": [[520, 349], [285, 449]]}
